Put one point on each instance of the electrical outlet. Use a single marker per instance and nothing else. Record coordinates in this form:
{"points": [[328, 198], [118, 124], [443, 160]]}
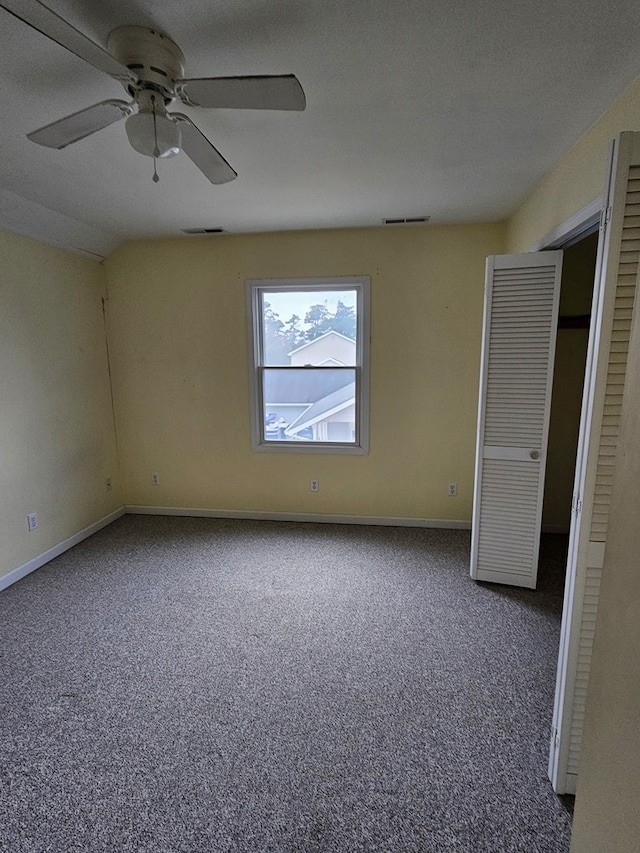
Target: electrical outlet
{"points": [[107, 484], [453, 490], [314, 485], [155, 479], [32, 520]]}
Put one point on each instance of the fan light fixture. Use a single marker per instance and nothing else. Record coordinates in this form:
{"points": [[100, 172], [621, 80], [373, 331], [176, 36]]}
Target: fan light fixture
{"points": [[153, 134]]}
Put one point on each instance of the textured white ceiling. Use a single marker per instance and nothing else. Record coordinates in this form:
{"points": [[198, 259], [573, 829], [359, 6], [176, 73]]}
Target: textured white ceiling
{"points": [[450, 108]]}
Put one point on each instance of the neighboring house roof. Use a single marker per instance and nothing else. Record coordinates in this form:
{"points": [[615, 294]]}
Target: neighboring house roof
{"points": [[329, 405], [320, 338], [330, 362], [297, 385]]}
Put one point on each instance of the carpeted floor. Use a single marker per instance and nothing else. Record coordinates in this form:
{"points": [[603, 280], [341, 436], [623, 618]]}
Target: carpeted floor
{"points": [[182, 685]]}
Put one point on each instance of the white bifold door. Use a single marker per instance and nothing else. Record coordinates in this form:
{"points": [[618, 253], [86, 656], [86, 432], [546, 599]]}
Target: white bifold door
{"points": [[614, 301], [518, 346]]}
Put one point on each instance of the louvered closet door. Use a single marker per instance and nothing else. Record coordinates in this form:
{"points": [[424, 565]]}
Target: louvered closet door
{"points": [[615, 299], [520, 323]]}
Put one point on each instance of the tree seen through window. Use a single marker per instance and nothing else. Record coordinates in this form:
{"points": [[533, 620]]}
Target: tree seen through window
{"points": [[282, 336]]}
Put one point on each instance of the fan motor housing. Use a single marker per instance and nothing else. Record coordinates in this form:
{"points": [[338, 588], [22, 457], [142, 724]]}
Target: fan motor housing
{"points": [[153, 57]]}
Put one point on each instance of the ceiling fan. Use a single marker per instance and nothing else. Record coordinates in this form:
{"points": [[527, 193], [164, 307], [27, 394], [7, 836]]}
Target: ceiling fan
{"points": [[150, 66]]}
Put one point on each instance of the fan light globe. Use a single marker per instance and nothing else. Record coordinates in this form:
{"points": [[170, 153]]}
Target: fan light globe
{"points": [[147, 133]]}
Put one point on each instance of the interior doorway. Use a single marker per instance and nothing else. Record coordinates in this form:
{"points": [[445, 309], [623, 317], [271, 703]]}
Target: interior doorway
{"points": [[576, 291]]}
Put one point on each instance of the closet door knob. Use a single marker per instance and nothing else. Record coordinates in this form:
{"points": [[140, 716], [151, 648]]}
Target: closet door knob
{"points": [[534, 454]]}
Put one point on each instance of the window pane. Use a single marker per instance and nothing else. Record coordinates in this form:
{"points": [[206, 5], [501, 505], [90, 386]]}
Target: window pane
{"points": [[309, 357], [302, 327], [309, 405]]}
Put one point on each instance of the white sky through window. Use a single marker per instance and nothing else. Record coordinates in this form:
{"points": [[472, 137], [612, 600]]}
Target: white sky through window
{"points": [[287, 303]]}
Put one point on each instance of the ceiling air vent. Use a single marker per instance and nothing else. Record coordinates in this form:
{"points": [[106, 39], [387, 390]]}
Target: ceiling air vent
{"points": [[406, 220], [203, 230]]}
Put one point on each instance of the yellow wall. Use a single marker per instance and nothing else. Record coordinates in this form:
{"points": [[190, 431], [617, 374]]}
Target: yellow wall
{"points": [[57, 441], [178, 337], [577, 180]]}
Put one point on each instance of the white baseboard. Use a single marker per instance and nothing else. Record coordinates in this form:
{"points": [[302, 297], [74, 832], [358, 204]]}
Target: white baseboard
{"points": [[570, 784], [385, 521], [56, 550], [382, 520]]}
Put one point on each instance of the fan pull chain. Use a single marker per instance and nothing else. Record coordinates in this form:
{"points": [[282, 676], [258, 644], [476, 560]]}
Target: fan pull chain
{"points": [[156, 150]]}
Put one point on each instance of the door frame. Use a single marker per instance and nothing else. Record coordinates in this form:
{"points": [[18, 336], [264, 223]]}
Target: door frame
{"points": [[584, 553], [585, 222]]}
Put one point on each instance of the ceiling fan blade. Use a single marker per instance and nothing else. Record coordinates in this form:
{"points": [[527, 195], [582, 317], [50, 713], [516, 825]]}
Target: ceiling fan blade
{"points": [[276, 92], [41, 18], [198, 148], [63, 132]]}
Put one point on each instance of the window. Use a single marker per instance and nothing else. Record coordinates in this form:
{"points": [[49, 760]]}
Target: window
{"points": [[309, 359]]}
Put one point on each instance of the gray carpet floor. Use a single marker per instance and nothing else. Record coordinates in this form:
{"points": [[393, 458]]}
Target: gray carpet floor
{"points": [[177, 684]]}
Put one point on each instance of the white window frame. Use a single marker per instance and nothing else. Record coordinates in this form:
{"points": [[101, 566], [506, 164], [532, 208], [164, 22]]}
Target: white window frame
{"points": [[254, 289]]}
